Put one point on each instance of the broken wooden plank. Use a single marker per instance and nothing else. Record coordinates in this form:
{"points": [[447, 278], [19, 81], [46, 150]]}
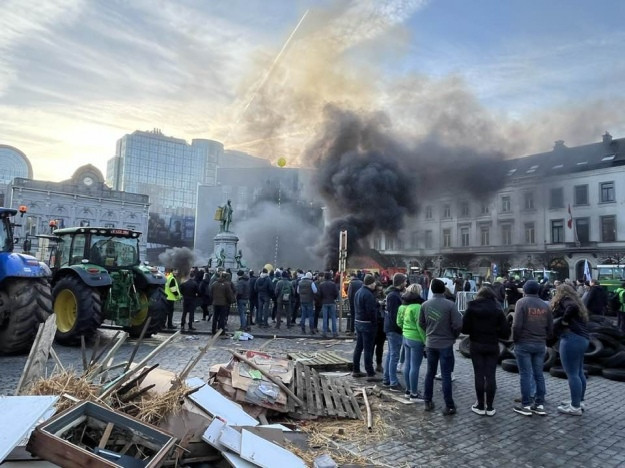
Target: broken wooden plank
{"points": [[39, 353], [310, 399], [191, 365], [317, 389], [327, 397]]}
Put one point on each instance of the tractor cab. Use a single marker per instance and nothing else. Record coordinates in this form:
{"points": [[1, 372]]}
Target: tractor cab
{"points": [[6, 229], [106, 247]]}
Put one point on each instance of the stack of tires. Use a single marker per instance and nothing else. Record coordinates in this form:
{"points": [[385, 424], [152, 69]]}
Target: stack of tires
{"points": [[605, 355]]}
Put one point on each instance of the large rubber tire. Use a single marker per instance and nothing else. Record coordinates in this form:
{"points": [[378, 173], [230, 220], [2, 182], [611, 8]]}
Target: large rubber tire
{"points": [[510, 365], [550, 359], [607, 340], [558, 372], [154, 305], [614, 374], [78, 310], [593, 369], [616, 361], [27, 302], [594, 348], [465, 347]]}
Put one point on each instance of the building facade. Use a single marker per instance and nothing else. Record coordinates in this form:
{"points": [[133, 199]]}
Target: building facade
{"points": [[169, 170], [82, 200], [555, 210]]}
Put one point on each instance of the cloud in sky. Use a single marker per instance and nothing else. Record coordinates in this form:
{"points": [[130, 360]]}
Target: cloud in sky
{"points": [[76, 75]]}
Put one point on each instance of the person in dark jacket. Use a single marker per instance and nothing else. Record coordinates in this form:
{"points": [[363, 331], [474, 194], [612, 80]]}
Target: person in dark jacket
{"points": [[393, 332], [189, 291], [283, 291], [307, 290], [328, 293], [204, 294], [596, 301], [531, 327], [485, 323], [355, 284], [253, 314], [366, 316], [574, 340], [317, 303], [243, 296], [263, 288], [380, 336], [221, 292]]}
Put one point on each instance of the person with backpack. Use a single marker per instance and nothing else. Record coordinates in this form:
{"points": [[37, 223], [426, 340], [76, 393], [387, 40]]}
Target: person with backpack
{"points": [[283, 291]]}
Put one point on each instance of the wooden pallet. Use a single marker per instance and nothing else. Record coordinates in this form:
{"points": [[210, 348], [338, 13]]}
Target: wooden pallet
{"points": [[324, 396], [322, 360]]}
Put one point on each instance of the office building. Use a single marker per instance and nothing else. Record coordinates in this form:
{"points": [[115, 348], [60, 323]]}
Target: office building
{"points": [[14, 163]]}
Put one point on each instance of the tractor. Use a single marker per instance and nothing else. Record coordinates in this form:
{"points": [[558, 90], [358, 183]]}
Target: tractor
{"points": [[97, 276], [25, 299]]}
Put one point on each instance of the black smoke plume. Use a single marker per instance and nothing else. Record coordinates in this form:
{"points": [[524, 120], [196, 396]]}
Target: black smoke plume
{"points": [[371, 179], [179, 258]]}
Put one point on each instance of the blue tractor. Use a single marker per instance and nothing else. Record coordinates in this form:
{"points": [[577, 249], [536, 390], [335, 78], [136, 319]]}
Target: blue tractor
{"points": [[25, 295]]}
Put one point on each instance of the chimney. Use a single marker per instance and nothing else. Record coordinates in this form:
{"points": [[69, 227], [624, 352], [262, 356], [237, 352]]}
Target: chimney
{"points": [[558, 145], [607, 138]]}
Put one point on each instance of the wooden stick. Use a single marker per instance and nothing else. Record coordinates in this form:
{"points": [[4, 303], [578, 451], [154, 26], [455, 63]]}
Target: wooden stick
{"points": [[138, 344], [83, 350], [275, 380], [107, 360], [39, 353], [106, 347], [56, 359], [136, 393], [125, 376], [106, 435], [95, 350], [369, 415], [189, 367]]}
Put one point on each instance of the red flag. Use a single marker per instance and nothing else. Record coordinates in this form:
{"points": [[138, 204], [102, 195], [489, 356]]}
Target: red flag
{"points": [[569, 223]]}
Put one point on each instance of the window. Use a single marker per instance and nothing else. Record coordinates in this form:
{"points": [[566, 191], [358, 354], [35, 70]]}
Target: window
{"points": [[464, 209], [484, 208], [428, 239], [464, 237], [529, 200], [557, 231], [580, 195], [607, 192], [608, 228], [582, 230], [446, 237], [505, 204], [556, 198], [389, 243], [414, 239], [428, 212], [506, 234], [446, 211], [530, 233], [484, 235], [377, 243]]}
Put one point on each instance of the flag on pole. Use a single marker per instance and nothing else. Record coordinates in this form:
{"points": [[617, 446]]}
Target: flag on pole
{"points": [[587, 275], [569, 223]]}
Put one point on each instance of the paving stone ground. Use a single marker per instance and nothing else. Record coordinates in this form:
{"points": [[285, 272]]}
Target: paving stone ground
{"points": [[420, 439]]}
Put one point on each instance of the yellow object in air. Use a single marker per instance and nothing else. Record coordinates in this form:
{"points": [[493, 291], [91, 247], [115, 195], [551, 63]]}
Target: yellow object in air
{"points": [[281, 162]]}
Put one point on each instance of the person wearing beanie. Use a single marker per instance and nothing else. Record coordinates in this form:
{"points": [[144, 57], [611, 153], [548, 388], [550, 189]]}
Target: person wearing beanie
{"points": [[366, 316], [264, 290], [355, 283], [531, 326], [328, 294], [393, 332], [307, 290], [442, 324]]}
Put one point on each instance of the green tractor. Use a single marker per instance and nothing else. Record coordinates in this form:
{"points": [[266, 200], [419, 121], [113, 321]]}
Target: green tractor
{"points": [[97, 276]]}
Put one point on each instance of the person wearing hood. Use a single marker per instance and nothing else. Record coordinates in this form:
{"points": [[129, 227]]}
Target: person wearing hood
{"points": [[393, 332], [243, 297], [263, 288], [485, 323], [355, 283], [531, 326], [307, 290]]}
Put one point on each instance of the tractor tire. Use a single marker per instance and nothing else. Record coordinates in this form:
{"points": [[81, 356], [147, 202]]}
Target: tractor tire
{"points": [[510, 365], [614, 374], [154, 305], [78, 310], [25, 303]]}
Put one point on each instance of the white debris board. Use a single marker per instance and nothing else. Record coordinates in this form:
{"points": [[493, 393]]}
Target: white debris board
{"points": [[267, 454], [20, 414], [215, 404]]}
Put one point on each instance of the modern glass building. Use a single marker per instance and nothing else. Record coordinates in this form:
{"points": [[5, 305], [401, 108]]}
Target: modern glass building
{"points": [[13, 163], [169, 170]]}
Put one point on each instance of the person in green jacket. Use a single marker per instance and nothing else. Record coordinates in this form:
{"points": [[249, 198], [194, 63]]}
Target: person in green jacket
{"points": [[414, 339]]}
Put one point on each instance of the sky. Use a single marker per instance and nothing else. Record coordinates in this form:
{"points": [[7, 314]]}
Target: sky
{"points": [[77, 75]]}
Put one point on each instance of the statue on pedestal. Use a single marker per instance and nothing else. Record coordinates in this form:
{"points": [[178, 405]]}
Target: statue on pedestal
{"points": [[224, 216], [221, 260], [239, 259]]}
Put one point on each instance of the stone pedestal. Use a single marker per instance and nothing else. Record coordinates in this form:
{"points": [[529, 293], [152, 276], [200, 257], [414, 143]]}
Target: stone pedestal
{"points": [[228, 242]]}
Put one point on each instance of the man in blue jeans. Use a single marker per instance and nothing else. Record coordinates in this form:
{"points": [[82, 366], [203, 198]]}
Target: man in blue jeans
{"points": [[329, 294], [442, 324], [393, 332], [531, 326], [365, 324]]}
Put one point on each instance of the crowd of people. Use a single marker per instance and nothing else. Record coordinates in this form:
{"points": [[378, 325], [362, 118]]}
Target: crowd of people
{"points": [[416, 321]]}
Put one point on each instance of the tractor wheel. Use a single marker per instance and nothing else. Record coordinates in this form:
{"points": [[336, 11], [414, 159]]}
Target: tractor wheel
{"points": [[78, 310], [25, 303], [153, 304]]}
